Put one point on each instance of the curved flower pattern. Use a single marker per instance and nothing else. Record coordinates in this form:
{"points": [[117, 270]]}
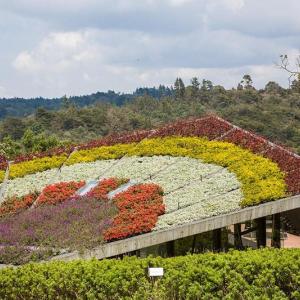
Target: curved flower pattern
{"points": [[186, 182]]}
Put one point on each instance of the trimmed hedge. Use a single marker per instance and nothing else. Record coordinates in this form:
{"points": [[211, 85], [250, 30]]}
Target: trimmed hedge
{"points": [[253, 274]]}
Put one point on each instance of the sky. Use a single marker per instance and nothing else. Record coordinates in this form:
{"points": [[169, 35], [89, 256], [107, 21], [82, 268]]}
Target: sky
{"points": [[52, 48]]}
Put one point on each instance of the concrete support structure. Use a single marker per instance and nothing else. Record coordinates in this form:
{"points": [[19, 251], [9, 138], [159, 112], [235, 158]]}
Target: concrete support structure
{"points": [[275, 242], [261, 233], [238, 243], [170, 248], [217, 240], [189, 229], [194, 243]]}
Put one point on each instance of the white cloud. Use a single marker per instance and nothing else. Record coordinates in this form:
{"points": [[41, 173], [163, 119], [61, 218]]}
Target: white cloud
{"points": [[2, 92], [51, 48], [179, 2], [58, 52], [234, 5]]}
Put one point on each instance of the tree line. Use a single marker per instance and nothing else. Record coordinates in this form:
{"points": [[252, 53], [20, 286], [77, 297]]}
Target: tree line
{"points": [[272, 111]]}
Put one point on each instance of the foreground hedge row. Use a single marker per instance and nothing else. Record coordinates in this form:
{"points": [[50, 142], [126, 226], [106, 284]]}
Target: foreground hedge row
{"points": [[254, 274]]}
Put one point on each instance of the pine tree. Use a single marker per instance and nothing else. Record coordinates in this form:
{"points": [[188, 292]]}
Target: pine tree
{"points": [[179, 88], [195, 87]]}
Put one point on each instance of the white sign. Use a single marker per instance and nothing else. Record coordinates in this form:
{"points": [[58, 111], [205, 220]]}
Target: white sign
{"points": [[154, 272]]}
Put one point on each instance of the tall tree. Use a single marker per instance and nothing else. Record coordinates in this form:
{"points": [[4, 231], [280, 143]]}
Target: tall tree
{"points": [[247, 82], [294, 73], [195, 87], [206, 86], [205, 90], [179, 88]]}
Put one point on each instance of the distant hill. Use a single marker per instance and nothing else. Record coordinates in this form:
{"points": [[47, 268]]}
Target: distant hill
{"points": [[20, 107]]}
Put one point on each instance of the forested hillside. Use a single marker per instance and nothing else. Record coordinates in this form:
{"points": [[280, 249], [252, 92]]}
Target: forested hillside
{"points": [[20, 107], [273, 112]]}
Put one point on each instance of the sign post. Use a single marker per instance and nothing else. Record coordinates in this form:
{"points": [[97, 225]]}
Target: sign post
{"points": [[154, 273]]}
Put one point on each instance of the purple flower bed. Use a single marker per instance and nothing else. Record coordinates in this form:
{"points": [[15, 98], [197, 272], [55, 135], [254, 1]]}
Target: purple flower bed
{"points": [[75, 224]]}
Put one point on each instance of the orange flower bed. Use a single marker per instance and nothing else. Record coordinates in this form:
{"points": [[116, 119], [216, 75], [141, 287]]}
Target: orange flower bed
{"points": [[101, 191], [139, 208], [16, 204], [59, 192]]}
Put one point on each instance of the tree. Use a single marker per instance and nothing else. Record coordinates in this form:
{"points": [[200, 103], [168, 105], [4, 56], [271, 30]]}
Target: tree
{"points": [[37, 143], [179, 88], [294, 73], [43, 117], [273, 87], [206, 86], [195, 87], [14, 127], [206, 90], [66, 102], [239, 87], [9, 148], [247, 82], [295, 86], [28, 140]]}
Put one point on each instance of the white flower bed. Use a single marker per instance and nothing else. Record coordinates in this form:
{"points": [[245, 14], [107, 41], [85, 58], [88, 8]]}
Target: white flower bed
{"points": [[136, 168], [218, 184], [29, 183], [204, 208], [183, 172], [203, 190]]}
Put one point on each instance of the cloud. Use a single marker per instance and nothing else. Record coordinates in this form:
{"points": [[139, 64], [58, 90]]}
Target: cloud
{"points": [[55, 47], [268, 18], [3, 92], [58, 52]]}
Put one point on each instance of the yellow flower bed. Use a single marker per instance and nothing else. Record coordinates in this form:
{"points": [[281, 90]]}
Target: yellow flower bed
{"points": [[35, 165], [104, 152], [2, 175], [261, 178]]}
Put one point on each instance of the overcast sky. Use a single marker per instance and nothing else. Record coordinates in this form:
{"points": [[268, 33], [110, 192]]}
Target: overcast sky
{"points": [[54, 47]]}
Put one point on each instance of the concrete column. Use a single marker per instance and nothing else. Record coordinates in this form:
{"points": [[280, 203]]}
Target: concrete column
{"points": [[170, 248], [261, 238], [216, 239], [194, 243], [238, 243], [276, 231]]}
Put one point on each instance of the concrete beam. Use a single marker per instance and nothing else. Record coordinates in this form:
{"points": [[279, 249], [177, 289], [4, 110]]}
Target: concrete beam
{"points": [[189, 229]]}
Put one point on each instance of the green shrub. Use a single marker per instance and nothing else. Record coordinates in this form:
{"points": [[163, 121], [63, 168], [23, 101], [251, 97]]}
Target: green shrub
{"points": [[253, 274]]}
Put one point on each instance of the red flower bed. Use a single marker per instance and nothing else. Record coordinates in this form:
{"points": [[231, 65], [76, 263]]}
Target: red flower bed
{"points": [[210, 127], [118, 138], [3, 162], [293, 181], [286, 161], [16, 204], [59, 192], [246, 140], [139, 208], [101, 191]]}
